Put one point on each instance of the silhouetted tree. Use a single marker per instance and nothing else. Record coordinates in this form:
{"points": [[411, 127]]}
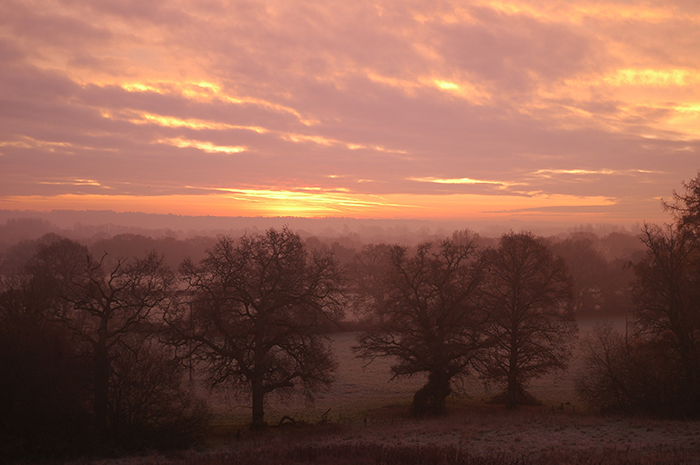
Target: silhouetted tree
{"points": [[427, 317], [253, 311], [113, 313], [667, 298], [44, 407], [657, 368], [528, 294], [103, 307], [686, 206], [368, 276]]}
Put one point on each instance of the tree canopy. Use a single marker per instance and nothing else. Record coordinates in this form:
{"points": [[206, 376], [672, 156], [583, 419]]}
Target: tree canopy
{"points": [[528, 294], [429, 320], [253, 312], [656, 368]]}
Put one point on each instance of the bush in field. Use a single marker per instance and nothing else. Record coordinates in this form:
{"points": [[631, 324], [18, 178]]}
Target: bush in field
{"points": [[618, 376], [148, 405]]}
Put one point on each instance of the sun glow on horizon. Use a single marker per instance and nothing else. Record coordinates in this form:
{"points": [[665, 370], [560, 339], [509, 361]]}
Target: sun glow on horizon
{"points": [[316, 202]]}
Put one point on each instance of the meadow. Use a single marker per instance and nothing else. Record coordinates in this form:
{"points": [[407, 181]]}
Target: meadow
{"points": [[366, 421], [365, 390]]}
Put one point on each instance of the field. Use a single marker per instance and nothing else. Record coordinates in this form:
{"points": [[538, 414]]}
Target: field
{"points": [[466, 436], [366, 390], [367, 423]]}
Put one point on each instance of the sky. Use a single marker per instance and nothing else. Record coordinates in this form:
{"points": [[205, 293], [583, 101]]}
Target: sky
{"points": [[536, 110]]}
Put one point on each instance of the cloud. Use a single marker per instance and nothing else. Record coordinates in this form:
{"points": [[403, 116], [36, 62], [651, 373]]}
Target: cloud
{"points": [[407, 103], [202, 145], [514, 53]]}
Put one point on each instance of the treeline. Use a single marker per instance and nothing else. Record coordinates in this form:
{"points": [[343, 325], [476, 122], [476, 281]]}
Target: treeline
{"points": [[599, 264], [83, 367], [97, 341], [95, 349]]}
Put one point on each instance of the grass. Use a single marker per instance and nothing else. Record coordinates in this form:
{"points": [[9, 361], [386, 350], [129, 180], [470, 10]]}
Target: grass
{"points": [[472, 433], [360, 390], [368, 424], [422, 455]]}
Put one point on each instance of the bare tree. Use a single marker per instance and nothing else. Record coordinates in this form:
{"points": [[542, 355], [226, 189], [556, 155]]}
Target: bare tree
{"points": [[528, 294], [253, 311], [428, 318], [686, 205], [369, 273], [104, 309], [42, 379], [667, 300], [657, 368]]}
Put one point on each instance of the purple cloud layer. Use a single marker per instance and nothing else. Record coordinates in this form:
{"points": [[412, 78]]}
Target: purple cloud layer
{"points": [[518, 98]]}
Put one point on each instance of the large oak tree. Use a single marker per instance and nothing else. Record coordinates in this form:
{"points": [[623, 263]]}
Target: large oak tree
{"points": [[427, 318], [253, 312], [528, 294]]}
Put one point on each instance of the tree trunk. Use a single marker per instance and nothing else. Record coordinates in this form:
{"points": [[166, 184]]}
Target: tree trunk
{"points": [[258, 392], [430, 399], [513, 391], [101, 387]]}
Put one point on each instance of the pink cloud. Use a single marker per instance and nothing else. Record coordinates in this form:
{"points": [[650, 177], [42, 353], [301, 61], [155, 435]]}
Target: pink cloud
{"points": [[365, 98]]}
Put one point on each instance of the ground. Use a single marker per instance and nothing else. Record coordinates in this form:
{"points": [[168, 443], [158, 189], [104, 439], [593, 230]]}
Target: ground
{"points": [[468, 434], [367, 422]]}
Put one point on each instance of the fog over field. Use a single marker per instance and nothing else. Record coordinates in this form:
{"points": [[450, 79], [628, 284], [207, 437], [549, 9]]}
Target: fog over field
{"points": [[362, 391], [20, 225]]}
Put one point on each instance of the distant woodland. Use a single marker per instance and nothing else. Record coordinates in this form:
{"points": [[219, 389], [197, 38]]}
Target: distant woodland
{"points": [[98, 333], [597, 261]]}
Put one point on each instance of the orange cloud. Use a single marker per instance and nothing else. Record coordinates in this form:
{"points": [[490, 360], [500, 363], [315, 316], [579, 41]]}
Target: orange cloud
{"points": [[202, 145], [205, 92]]}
